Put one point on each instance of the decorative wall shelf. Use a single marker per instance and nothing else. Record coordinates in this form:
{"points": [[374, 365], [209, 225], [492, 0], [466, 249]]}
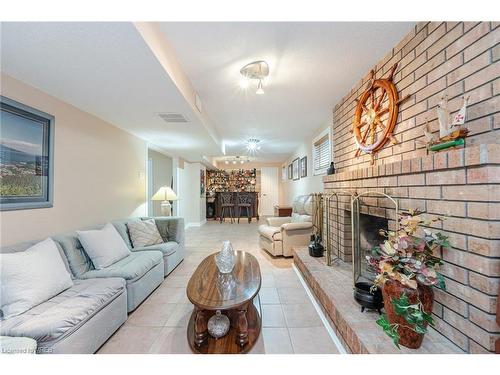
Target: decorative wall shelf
{"points": [[240, 180]]}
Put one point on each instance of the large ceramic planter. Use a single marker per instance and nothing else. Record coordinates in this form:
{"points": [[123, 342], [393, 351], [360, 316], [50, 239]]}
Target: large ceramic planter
{"points": [[393, 290]]}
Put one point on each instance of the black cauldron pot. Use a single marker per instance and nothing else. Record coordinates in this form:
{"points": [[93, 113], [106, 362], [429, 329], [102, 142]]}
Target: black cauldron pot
{"points": [[366, 299], [316, 249]]}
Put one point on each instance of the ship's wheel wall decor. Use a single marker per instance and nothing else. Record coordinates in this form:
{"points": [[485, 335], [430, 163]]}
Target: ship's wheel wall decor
{"points": [[376, 114]]}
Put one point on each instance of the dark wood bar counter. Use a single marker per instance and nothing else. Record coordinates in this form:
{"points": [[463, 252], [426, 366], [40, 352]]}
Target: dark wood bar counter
{"points": [[214, 206]]}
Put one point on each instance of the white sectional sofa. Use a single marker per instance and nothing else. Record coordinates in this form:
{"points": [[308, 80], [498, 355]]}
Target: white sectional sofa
{"points": [[84, 316]]}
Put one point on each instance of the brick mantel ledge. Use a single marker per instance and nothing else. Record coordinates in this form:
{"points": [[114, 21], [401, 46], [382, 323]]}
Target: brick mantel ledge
{"points": [[473, 155], [332, 287]]}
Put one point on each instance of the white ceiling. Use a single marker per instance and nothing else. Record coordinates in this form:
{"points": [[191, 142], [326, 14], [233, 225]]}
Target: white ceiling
{"points": [[312, 66], [107, 69]]}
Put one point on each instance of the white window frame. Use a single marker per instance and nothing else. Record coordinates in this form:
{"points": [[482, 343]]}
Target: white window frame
{"points": [[327, 131]]}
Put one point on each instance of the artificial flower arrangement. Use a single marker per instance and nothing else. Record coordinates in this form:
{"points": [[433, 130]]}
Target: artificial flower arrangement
{"points": [[407, 267]]}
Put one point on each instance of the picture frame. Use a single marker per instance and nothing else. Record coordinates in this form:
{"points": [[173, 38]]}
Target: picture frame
{"points": [[202, 183], [290, 175], [27, 162], [295, 169], [303, 167], [283, 173]]}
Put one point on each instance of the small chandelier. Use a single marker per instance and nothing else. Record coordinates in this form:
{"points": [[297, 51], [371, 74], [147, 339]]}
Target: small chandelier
{"points": [[257, 70], [253, 145]]}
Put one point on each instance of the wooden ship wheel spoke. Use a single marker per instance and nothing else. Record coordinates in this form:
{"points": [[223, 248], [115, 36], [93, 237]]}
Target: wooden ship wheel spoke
{"points": [[382, 112], [364, 123], [379, 98]]}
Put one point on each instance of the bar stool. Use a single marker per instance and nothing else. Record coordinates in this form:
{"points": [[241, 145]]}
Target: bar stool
{"points": [[226, 203], [244, 200]]}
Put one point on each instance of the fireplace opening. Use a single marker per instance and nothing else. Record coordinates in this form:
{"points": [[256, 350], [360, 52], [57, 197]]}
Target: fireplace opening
{"points": [[365, 236], [369, 237]]}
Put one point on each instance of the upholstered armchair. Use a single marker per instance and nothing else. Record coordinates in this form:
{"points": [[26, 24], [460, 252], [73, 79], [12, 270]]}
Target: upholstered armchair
{"points": [[280, 234]]}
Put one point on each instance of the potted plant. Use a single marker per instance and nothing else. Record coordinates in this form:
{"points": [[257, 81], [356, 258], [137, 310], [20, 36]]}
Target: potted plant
{"points": [[407, 266]]}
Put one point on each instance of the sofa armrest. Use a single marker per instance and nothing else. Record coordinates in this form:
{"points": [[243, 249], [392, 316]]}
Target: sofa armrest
{"points": [[171, 228], [17, 345], [278, 221], [296, 226]]}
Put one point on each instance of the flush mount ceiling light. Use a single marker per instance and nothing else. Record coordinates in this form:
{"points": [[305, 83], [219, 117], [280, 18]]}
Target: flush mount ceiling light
{"points": [[253, 145], [256, 71]]}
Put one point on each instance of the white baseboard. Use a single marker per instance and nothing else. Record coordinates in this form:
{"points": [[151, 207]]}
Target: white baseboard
{"points": [[322, 316], [195, 224]]}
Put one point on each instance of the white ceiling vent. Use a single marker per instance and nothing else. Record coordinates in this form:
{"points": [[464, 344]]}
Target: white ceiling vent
{"points": [[173, 117]]}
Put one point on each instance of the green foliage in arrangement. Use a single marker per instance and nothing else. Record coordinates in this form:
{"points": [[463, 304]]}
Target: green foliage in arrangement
{"points": [[409, 256], [414, 315]]}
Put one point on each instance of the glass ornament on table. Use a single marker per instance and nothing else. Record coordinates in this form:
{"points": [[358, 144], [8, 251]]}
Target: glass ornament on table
{"points": [[225, 258], [226, 286], [218, 325]]}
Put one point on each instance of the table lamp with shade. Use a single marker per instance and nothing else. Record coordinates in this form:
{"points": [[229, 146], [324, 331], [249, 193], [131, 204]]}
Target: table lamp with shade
{"points": [[165, 194]]}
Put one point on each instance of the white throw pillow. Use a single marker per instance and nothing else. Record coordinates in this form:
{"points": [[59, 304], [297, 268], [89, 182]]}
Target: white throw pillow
{"points": [[296, 218], [144, 233], [104, 246], [31, 277]]}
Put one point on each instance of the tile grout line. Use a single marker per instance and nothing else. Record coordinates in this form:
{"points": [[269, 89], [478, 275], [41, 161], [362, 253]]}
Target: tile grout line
{"points": [[327, 325]]}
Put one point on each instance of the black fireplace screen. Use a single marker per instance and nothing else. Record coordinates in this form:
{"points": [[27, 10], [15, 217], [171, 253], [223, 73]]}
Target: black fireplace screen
{"points": [[366, 229], [369, 237]]}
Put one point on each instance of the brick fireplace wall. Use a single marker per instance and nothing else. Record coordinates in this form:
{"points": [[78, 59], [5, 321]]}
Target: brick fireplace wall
{"points": [[462, 185], [453, 58]]}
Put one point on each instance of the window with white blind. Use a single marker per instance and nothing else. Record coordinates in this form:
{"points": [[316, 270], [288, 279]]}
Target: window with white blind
{"points": [[322, 153]]}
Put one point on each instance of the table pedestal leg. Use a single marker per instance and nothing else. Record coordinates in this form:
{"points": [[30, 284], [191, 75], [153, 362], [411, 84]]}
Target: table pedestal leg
{"points": [[200, 328], [242, 336]]}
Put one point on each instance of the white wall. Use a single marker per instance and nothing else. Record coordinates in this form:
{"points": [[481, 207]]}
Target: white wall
{"points": [[99, 171], [162, 175], [311, 183], [191, 205]]}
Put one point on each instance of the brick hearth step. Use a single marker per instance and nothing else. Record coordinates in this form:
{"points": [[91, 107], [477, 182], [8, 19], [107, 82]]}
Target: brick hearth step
{"points": [[332, 287]]}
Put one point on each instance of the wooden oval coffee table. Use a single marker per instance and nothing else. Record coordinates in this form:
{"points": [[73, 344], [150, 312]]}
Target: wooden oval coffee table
{"points": [[234, 295]]}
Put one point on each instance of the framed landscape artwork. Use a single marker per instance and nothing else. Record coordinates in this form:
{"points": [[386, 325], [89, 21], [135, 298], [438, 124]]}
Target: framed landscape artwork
{"points": [[26, 156], [202, 183], [303, 167], [295, 169]]}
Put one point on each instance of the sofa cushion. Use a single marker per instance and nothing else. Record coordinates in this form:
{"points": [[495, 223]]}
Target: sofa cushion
{"points": [[104, 246], [63, 314], [171, 228], [297, 218], [308, 205], [271, 233], [23, 246], [302, 205], [167, 248], [31, 277], [17, 345], [78, 260], [122, 228], [136, 265], [144, 233], [298, 205]]}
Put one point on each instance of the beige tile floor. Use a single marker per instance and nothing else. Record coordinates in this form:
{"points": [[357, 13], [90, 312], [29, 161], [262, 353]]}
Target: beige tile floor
{"points": [[290, 323]]}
